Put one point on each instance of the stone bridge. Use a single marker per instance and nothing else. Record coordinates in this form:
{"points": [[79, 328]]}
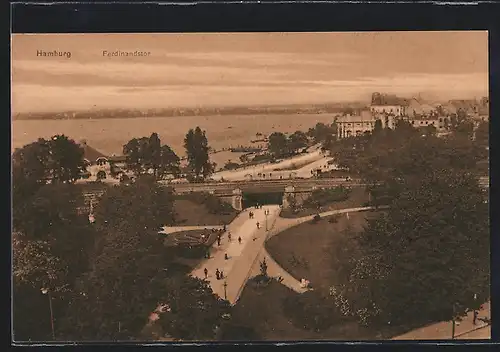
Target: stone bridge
{"points": [[235, 190]]}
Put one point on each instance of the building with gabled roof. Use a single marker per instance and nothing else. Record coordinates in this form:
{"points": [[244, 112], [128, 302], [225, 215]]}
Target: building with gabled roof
{"points": [[91, 155]]}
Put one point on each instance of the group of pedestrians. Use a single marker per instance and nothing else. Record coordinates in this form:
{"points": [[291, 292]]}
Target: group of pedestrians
{"points": [[219, 274], [229, 238]]}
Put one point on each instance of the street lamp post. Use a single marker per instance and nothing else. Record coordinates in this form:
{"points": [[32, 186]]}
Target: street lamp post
{"points": [[453, 324], [474, 312], [225, 289], [266, 213], [46, 291]]}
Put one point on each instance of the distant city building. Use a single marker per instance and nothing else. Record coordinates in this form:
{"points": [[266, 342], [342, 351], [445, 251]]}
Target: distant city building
{"points": [[425, 122], [416, 108], [396, 110], [388, 104], [364, 122]]}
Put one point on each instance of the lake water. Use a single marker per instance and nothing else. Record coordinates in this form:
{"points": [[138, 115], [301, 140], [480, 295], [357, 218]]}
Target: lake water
{"points": [[109, 135]]}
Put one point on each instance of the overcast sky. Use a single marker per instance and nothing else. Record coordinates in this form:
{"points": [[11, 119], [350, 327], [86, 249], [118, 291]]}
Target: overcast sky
{"points": [[244, 68]]}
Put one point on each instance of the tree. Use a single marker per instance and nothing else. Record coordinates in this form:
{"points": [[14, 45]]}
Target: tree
{"points": [[400, 246], [147, 153], [461, 125], [35, 265], [51, 248], [197, 149], [434, 202], [155, 153], [169, 163], [66, 162], [482, 134], [30, 168], [377, 129], [59, 159], [129, 257], [132, 152], [297, 141], [278, 144], [321, 132], [30, 172], [195, 313], [52, 217]]}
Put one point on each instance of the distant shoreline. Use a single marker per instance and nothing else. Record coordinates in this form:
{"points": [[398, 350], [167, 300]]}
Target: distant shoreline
{"points": [[180, 112]]}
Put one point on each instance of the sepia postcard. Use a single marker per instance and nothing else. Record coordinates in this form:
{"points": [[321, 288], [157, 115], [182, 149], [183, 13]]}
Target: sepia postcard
{"points": [[326, 186]]}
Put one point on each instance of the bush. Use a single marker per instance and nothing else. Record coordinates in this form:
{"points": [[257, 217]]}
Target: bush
{"points": [[260, 281], [322, 197], [235, 331], [334, 219], [310, 311], [231, 166]]}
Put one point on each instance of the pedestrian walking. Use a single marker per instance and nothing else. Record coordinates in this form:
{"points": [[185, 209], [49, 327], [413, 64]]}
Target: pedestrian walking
{"points": [[229, 236], [225, 256], [206, 272], [221, 274], [217, 274], [258, 225], [474, 318], [218, 241], [224, 227], [239, 240]]}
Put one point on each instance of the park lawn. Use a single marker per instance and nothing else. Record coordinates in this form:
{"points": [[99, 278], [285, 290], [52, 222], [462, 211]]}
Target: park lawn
{"points": [[306, 250], [190, 213], [262, 309], [357, 198]]}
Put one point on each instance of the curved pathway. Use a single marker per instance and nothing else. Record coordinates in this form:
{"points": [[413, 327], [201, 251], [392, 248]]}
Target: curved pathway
{"points": [[283, 224], [244, 258], [241, 256]]}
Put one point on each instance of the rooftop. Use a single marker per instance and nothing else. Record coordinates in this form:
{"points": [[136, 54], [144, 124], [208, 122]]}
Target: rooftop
{"points": [[89, 153]]}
